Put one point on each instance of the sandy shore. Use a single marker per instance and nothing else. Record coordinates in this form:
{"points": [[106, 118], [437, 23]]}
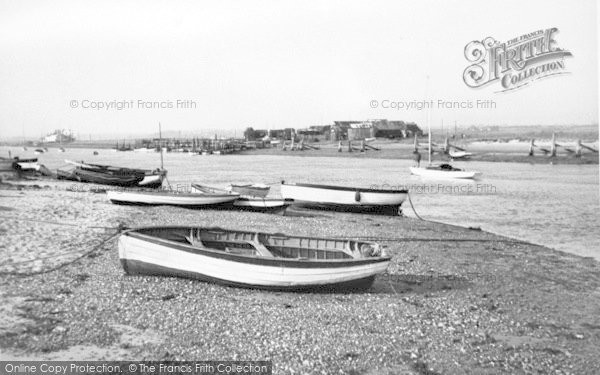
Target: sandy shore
{"points": [[454, 300]]}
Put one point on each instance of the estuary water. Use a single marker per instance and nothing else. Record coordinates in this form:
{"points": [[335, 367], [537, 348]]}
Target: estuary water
{"points": [[553, 205]]}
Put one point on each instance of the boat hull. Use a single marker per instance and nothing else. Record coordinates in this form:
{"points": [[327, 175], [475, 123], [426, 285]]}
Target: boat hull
{"points": [[106, 179], [386, 202], [152, 181], [443, 174], [262, 204], [161, 198], [251, 190], [156, 257]]}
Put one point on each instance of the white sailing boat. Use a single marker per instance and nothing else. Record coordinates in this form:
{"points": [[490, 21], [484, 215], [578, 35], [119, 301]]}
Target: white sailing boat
{"points": [[441, 171]]}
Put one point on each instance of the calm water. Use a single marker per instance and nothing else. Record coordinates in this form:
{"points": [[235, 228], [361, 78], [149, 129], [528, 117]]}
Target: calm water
{"points": [[554, 205]]}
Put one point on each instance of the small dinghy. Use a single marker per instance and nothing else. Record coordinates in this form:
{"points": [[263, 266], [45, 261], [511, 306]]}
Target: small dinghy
{"points": [[249, 203], [273, 205], [250, 259], [171, 198], [341, 198]]}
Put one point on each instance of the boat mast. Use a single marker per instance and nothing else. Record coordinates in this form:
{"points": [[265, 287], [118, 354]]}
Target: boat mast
{"points": [[428, 122], [160, 145], [429, 132]]}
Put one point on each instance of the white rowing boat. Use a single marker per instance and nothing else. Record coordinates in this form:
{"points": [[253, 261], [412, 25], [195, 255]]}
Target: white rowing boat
{"points": [[250, 259], [169, 198], [343, 198]]}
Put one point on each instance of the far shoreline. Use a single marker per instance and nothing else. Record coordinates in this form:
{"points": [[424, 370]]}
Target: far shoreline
{"points": [[499, 152]]}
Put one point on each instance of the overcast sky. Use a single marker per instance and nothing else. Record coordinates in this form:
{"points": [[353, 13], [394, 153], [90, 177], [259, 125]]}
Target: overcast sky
{"points": [[275, 64]]}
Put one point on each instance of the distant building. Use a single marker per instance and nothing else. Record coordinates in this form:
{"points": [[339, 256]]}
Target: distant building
{"points": [[360, 131], [380, 128]]}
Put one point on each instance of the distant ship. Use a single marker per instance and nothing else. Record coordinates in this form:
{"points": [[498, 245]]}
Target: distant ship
{"points": [[59, 136]]}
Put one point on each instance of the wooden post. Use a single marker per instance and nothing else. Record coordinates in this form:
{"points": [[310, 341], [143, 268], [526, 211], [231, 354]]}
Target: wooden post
{"points": [[349, 146], [578, 148], [531, 148], [362, 145], [160, 145], [340, 146], [553, 146]]}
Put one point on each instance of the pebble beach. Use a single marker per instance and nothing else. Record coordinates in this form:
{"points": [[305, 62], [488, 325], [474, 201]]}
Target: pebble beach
{"points": [[454, 300]]}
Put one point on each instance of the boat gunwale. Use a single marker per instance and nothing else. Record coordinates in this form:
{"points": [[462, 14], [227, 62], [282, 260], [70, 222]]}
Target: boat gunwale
{"points": [[347, 188], [253, 259], [174, 193]]}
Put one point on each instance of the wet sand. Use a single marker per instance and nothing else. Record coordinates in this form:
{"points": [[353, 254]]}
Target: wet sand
{"points": [[454, 300]]}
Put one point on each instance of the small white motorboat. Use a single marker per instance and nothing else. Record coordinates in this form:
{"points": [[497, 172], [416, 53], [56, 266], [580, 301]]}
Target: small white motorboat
{"points": [[342, 198], [170, 198], [251, 259]]}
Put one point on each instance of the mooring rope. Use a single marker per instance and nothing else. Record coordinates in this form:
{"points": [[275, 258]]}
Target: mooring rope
{"points": [[33, 273], [413, 207], [56, 222], [119, 230]]}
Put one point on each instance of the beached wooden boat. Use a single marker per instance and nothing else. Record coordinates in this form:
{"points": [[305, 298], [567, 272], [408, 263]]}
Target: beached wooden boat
{"points": [[251, 259], [341, 198], [150, 178], [104, 178], [253, 190], [443, 171], [248, 203], [171, 198]]}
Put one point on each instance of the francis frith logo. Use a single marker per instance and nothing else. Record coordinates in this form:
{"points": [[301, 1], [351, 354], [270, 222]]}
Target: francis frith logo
{"points": [[515, 63]]}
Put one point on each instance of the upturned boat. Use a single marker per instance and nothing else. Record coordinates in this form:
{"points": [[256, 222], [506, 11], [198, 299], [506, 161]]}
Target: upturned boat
{"points": [[342, 198], [170, 198], [250, 259]]}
